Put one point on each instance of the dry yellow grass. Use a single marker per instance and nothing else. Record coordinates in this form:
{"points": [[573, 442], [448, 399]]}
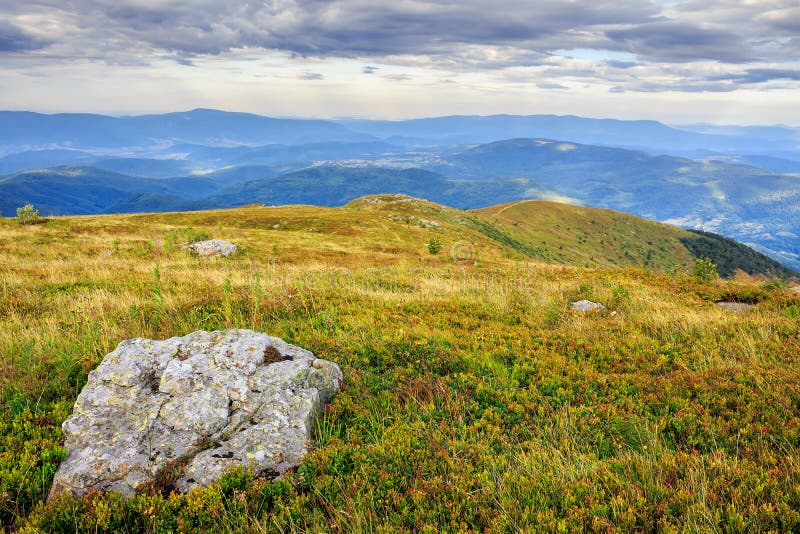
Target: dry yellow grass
{"points": [[475, 399]]}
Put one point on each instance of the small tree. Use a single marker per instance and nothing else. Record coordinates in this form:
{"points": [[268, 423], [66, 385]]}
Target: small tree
{"points": [[27, 214], [434, 246], [704, 270]]}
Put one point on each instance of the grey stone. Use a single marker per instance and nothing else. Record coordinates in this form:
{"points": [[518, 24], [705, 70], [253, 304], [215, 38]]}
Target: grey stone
{"points": [[587, 305], [211, 400], [427, 223], [213, 248], [737, 307]]}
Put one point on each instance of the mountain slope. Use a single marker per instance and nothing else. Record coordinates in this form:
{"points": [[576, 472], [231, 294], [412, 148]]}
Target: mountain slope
{"points": [[334, 185], [749, 204], [87, 190], [589, 236], [594, 237]]}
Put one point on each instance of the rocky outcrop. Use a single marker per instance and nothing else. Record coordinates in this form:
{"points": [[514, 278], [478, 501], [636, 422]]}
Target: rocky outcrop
{"points": [[586, 306], [212, 248], [196, 405]]}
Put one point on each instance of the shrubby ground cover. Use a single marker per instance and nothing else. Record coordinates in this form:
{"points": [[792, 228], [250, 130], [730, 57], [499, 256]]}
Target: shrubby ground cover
{"points": [[474, 399]]}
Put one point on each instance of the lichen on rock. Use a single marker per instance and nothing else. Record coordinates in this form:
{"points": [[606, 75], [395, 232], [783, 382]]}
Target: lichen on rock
{"points": [[584, 306], [212, 248], [207, 401]]}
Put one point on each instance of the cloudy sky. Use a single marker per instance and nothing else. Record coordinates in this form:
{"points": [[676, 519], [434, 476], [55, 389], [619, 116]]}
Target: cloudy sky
{"points": [[679, 61]]}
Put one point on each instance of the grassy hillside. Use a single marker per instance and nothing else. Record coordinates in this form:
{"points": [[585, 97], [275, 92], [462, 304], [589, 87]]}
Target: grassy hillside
{"points": [[748, 204], [474, 398], [731, 256], [589, 236]]}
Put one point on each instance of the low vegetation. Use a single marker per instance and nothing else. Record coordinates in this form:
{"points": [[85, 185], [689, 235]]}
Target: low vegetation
{"points": [[731, 255], [474, 398], [28, 214]]}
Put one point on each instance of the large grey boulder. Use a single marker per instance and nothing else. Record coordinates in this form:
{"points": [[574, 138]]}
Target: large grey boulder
{"points": [[213, 248], [207, 401]]}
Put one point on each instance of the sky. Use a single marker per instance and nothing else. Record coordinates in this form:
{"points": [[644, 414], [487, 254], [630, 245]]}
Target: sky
{"points": [[692, 61]]}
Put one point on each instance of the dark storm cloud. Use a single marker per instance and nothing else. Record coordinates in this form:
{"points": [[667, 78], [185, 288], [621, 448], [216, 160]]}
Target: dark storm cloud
{"points": [[14, 39]]}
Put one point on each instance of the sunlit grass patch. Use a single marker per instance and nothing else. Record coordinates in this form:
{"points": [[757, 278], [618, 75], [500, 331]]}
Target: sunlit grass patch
{"points": [[475, 399]]}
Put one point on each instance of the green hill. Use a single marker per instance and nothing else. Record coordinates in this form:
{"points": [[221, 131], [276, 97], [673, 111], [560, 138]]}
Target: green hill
{"points": [[590, 237], [745, 203], [474, 398], [594, 237]]}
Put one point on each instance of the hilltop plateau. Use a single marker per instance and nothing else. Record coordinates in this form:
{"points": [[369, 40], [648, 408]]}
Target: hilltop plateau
{"points": [[474, 397]]}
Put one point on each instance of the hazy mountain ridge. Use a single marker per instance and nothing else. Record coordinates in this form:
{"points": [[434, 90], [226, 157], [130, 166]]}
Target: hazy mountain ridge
{"points": [[205, 159], [88, 131], [25, 131], [641, 134]]}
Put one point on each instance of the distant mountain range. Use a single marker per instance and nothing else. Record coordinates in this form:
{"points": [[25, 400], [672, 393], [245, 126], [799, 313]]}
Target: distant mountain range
{"points": [[739, 182], [203, 126], [26, 131]]}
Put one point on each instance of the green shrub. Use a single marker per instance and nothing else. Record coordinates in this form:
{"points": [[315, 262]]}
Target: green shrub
{"points": [[28, 214], [175, 239], [434, 246], [730, 256], [704, 270], [776, 284]]}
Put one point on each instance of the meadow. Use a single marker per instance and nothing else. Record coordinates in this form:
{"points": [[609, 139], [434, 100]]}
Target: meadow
{"points": [[474, 398]]}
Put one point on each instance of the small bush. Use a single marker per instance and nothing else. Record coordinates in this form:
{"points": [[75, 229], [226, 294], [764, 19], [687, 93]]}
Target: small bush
{"points": [[28, 214], [704, 270], [175, 239], [434, 246], [776, 284]]}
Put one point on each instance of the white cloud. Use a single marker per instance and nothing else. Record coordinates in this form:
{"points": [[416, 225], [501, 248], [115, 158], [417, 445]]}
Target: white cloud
{"points": [[490, 49]]}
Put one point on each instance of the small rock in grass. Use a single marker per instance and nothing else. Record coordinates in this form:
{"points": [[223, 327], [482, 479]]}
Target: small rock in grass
{"points": [[213, 248], [587, 305], [737, 307]]}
